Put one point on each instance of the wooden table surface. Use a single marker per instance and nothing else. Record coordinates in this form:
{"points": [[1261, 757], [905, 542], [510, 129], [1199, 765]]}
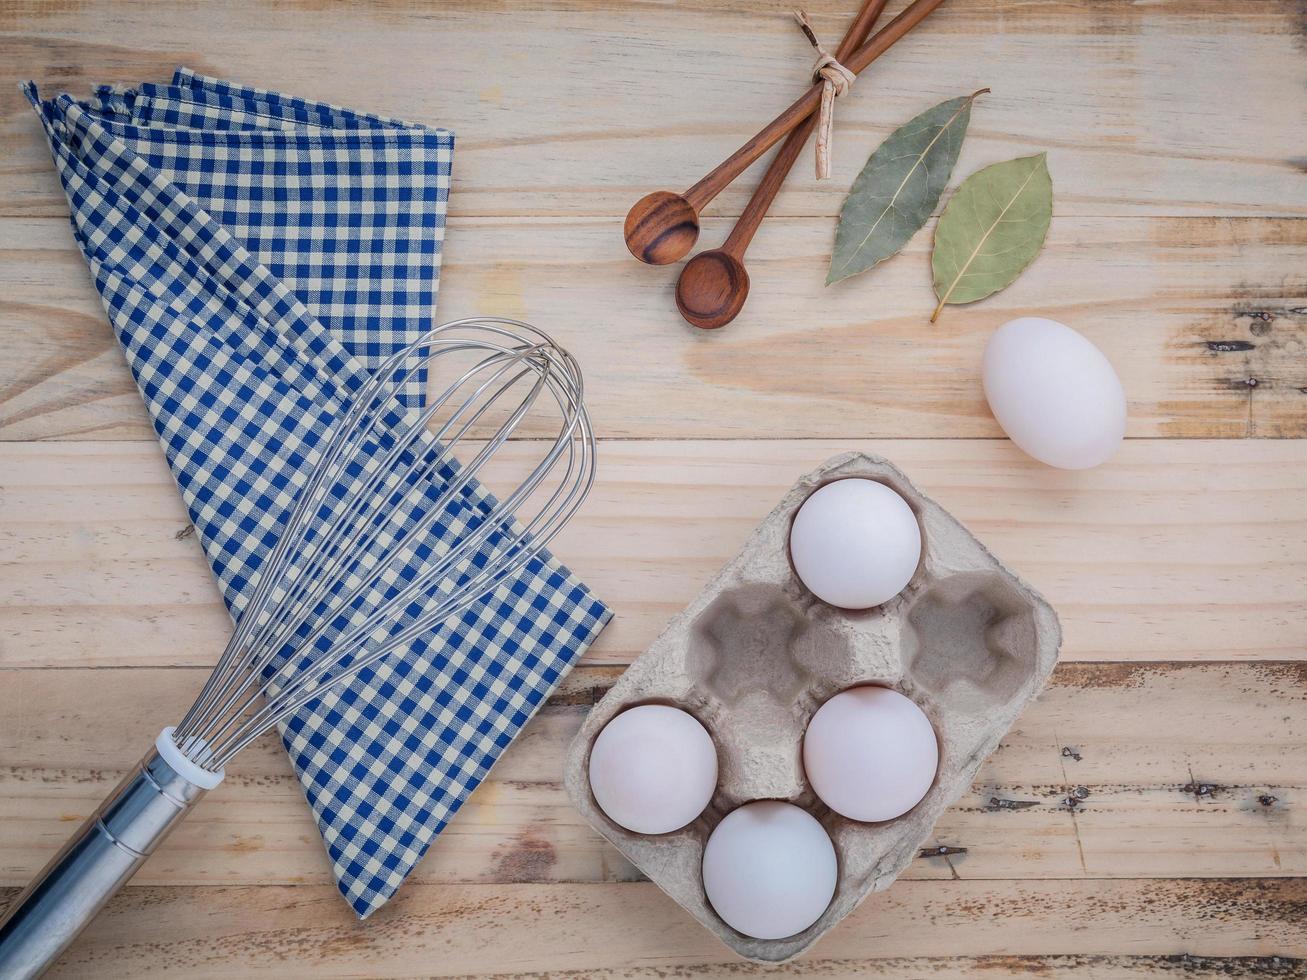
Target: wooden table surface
{"points": [[1146, 817]]}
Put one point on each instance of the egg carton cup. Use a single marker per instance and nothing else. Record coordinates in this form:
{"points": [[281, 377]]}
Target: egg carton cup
{"points": [[756, 654]]}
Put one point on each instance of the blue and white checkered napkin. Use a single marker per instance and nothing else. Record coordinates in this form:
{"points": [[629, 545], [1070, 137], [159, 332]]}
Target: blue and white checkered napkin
{"points": [[257, 256]]}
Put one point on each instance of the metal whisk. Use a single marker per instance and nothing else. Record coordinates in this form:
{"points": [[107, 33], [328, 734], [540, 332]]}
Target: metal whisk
{"points": [[390, 536]]}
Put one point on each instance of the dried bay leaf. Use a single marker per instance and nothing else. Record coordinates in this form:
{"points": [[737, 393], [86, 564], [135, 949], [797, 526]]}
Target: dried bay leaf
{"points": [[993, 227], [899, 187]]}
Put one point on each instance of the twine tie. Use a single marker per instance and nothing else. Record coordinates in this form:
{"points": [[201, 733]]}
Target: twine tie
{"points": [[835, 81]]}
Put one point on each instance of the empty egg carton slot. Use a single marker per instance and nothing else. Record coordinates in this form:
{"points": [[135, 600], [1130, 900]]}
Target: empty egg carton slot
{"points": [[755, 654], [970, 640]]}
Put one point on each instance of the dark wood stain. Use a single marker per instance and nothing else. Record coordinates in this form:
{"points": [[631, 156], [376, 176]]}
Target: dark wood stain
{"points": [[1104, 675], [1251, 357], [998, 803], [529, 858]]}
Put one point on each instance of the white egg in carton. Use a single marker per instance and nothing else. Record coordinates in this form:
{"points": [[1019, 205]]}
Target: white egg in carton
{"points": [[756, 654]]}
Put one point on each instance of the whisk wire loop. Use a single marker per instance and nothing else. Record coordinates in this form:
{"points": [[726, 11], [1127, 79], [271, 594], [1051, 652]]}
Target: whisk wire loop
{"points": [[391, 535], [337, 546]]}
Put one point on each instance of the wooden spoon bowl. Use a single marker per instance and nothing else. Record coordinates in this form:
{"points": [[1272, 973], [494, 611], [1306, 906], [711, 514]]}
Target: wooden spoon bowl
{"points": [[661, 227], [712, 289]]}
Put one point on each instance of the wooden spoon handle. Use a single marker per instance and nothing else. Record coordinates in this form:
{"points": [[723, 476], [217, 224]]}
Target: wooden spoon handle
{"points": [[750, 219], [746, 226], [711, 185]]}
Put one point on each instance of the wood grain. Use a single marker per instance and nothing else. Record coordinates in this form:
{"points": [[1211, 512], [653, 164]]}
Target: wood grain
{"points": [[634, 930], [1150, 770], [1163, 766], [1159, 555], [1205, 320], [1164, 108]]}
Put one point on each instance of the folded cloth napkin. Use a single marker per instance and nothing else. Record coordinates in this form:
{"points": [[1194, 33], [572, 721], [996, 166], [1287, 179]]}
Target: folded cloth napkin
{"points": [[258, 255]]}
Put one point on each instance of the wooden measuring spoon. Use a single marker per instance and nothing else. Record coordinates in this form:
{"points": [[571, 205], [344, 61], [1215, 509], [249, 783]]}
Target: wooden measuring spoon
{"points": [[714, 285], [663, 226]]}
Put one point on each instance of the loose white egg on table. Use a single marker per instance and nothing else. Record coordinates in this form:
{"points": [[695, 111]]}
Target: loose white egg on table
{"points": [[855, 543], [1054, 393], [769, 869], [653, 769], [870, 754]]}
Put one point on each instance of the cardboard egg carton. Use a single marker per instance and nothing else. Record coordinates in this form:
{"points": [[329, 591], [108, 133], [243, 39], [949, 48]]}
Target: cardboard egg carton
{"points": [[755, 654]]}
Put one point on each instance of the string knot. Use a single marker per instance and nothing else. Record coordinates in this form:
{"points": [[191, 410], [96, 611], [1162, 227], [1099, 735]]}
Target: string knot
{"points": [[831, 72], [836, 80]]}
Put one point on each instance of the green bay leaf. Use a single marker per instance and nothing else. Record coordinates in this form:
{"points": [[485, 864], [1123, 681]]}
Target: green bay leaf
{"points": [[898, 187], [993, 227]]}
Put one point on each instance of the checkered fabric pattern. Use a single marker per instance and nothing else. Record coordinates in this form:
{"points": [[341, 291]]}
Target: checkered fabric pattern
{"points": [[257, 256]]}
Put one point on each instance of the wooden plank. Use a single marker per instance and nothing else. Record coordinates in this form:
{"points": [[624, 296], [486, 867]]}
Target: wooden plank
{"points": [[633, 930], [1205, 320], [579, 108], [1160, 555], [1117, 770]]}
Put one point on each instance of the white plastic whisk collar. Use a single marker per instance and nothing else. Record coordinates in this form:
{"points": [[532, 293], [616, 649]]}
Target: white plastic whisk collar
{"points": [[181, 761]]}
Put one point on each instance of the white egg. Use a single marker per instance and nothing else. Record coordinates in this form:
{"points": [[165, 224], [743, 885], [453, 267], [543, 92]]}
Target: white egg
{"points": [[653, 769], [769, 870], [855, 543], [1054, 393], [870, 754]]}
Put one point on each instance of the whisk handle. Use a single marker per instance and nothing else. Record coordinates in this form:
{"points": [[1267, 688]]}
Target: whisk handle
{"points": [[98, 860]]}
